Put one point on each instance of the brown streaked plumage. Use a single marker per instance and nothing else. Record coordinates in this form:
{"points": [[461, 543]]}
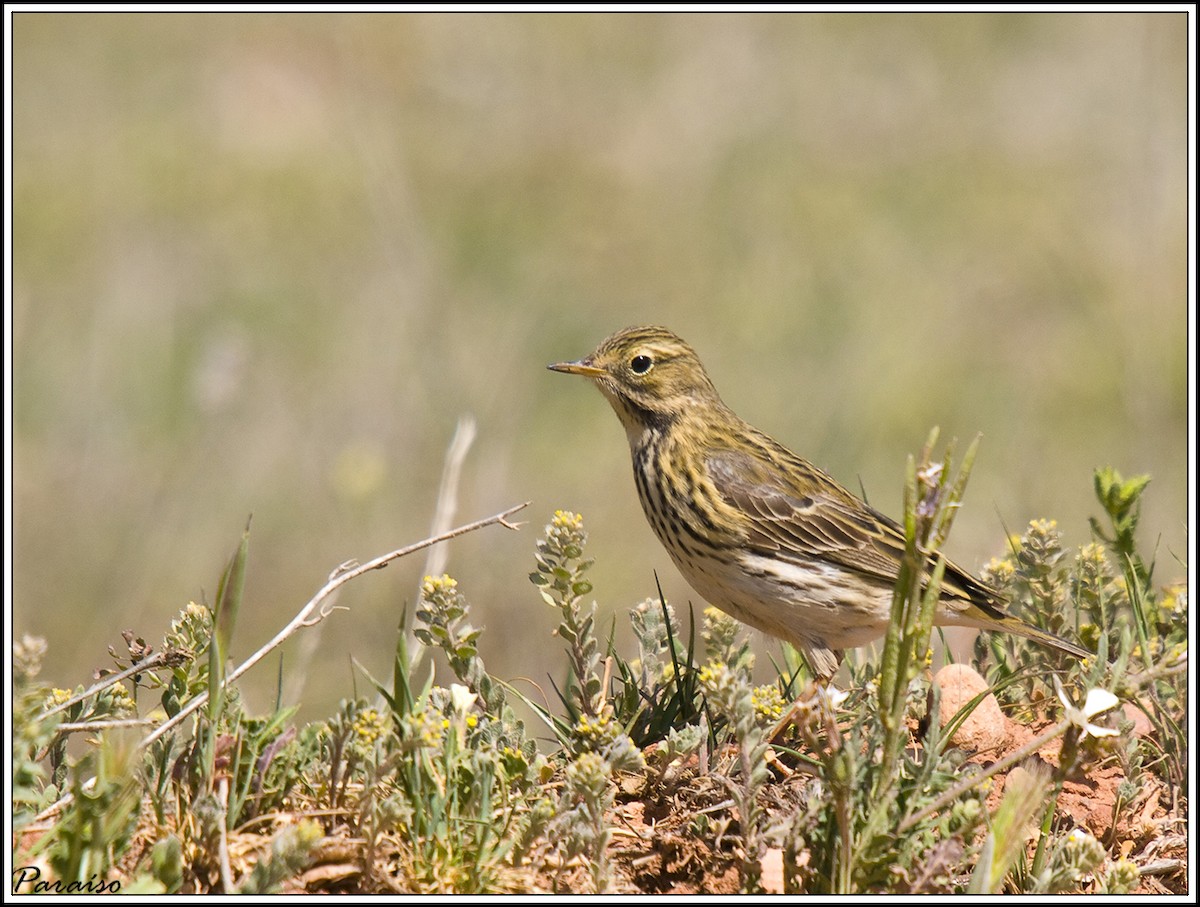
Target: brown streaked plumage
{"points": [[755, 529]]}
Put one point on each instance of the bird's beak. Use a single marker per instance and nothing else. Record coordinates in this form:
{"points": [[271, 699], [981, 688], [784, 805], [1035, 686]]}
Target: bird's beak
{"points": [[580, 367]]}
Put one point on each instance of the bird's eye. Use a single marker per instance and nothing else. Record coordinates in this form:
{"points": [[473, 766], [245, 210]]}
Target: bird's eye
{"points": [[640, 364]]}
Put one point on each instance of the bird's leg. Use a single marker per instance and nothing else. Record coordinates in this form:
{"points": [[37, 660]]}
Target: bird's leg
{"points": [[799, 706], [820, 695]]}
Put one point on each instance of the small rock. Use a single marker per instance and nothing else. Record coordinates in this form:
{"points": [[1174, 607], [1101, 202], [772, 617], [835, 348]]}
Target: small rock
{"points": [[771, 864], [985, 728], [1141, 724]]}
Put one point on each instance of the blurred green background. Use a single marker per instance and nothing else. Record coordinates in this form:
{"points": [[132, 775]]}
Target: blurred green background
{"points": [[264, 262]]}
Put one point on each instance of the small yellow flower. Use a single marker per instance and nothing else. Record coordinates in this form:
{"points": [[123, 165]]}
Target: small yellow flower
{"points": [[567, 521], [121, 700], [999, 571], [564, 533], [596, 732], [432, 586], [713, 673], [57, 697], [1174, 600], [424, 731], [368, 727], [768, 703]]}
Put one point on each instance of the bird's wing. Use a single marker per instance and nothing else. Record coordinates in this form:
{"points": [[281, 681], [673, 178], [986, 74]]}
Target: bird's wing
{"points": [[805, 515], [801, 513]]}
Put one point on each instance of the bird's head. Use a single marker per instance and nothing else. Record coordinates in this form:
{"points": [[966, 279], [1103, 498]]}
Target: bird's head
{"points": [[649, 375]]}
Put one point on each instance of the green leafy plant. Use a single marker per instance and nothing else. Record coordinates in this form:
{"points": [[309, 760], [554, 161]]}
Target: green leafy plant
{"points": [[729, 692], [560, 577], [581, 824], [659, 693]]}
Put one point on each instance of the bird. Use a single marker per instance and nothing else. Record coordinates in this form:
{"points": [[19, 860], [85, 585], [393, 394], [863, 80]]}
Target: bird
{"points": [[755, 529]]}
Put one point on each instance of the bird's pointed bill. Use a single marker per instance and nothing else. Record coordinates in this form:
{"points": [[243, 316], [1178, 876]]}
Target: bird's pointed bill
{"points": [[579, 367]]}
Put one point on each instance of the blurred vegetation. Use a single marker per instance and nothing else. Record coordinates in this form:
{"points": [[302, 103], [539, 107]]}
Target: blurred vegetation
{"points": [[263, 262]]}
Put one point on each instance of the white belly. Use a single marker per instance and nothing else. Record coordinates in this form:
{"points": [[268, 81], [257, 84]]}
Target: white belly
{"points": [[803, 604]]}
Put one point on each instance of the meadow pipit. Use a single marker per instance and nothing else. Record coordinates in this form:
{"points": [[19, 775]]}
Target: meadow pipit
{"points": [[756, 530]]}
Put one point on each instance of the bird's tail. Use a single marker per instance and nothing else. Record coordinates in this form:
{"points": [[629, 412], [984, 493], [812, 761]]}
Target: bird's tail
{"points": [[972, 603], [976, 617]]}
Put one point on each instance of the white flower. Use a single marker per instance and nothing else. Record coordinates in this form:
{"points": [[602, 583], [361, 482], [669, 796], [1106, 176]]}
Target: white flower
{"points": [[461, 699], [834, 696], [1097, 703]]}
